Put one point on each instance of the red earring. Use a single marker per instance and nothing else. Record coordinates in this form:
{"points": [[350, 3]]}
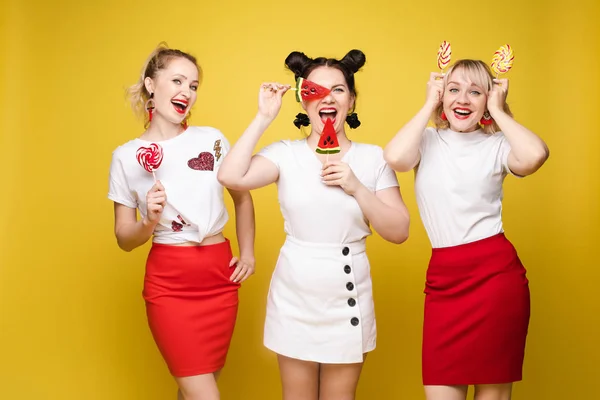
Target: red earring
{"points": [[184, 124], [443, 116], [150, 106], [486, 119]]}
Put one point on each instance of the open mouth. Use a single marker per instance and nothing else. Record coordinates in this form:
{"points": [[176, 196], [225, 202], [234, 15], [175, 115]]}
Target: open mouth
{"points": [[180, 106], [328, 113], [462, 113]]}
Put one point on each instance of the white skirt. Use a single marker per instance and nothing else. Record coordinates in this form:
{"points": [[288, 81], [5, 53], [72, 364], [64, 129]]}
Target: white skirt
{"points": [[320, 304]]}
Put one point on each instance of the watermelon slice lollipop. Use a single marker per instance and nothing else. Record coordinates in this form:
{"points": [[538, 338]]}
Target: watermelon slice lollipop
{"points": [[328, 143], [307, 90]]}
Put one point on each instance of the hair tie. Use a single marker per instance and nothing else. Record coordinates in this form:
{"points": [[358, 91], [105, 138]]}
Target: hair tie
{"points": [[301, 120], [352, 121]]}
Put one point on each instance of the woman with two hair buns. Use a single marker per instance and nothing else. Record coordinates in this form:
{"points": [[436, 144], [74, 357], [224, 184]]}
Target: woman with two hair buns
{"points": [[191, 280], [320, 313], [476, 292]]}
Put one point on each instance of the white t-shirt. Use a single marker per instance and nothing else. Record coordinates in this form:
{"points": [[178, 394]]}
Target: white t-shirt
{"points": [[458, 184], [314, 212], [195, 207]]}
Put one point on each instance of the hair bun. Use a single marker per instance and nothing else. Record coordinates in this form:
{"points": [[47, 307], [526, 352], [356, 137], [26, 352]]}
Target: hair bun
{"points": [[297, 62], [354, 60], [301, 120]]}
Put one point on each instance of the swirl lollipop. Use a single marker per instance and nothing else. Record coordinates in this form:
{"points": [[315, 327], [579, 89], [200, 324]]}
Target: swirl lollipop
{"points": [[503, 60], [444, 55], [150, 158]]}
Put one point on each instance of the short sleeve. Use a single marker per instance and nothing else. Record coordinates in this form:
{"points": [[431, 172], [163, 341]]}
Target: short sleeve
{"points": [[428, 135], [225, 146], [118, 189], [386, 177], [503, 153], [273, 152], [223, 149]]}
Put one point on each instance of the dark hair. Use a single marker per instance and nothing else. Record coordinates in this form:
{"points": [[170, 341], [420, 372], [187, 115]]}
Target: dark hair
{"points": [[302, 65]]}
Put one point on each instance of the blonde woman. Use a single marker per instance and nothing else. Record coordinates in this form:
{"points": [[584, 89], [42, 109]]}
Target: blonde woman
{"points": [[192, 279], [477, 294]]}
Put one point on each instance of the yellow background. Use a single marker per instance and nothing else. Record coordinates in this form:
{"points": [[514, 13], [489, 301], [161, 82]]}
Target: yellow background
{"points": [[72, 317]]}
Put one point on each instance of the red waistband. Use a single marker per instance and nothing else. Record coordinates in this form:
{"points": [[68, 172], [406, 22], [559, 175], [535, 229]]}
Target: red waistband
{"points": [[163, 248], [476, 249]]}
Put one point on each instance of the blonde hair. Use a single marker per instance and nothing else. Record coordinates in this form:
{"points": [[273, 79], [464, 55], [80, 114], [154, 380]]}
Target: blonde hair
{"points": [[159, 59], [479, 73]]}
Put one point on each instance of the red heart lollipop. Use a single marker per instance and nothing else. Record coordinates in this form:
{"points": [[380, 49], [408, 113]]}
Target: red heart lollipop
{"points": [[150, 158]]}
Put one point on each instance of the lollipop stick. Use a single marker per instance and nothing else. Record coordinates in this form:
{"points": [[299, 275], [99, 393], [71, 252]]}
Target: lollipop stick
{"points": [[154, 175]]}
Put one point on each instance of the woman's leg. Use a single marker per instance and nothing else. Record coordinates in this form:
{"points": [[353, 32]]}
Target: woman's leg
{"points": [[438, 392], [299, 379], [493, 392], [339, 381], [198, 387]]}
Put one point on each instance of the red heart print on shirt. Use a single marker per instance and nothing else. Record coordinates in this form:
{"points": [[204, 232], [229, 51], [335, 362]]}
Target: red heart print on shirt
{"points": [[178, 227], [204, 162]]}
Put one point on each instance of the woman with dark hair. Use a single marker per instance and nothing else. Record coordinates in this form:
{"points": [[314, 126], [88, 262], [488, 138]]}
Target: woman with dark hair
{"points": [[320, 313]]}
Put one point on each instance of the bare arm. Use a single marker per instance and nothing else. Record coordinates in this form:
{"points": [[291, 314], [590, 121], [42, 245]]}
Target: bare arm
{"points": [[240, 170], [130, 231], [386, 212], [384, 209], [402, 152], [244, 220], [528, 151]]}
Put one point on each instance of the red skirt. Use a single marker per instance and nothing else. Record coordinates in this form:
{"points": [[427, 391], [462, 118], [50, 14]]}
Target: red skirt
{"points": [[191, 305], [476, 314]]}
